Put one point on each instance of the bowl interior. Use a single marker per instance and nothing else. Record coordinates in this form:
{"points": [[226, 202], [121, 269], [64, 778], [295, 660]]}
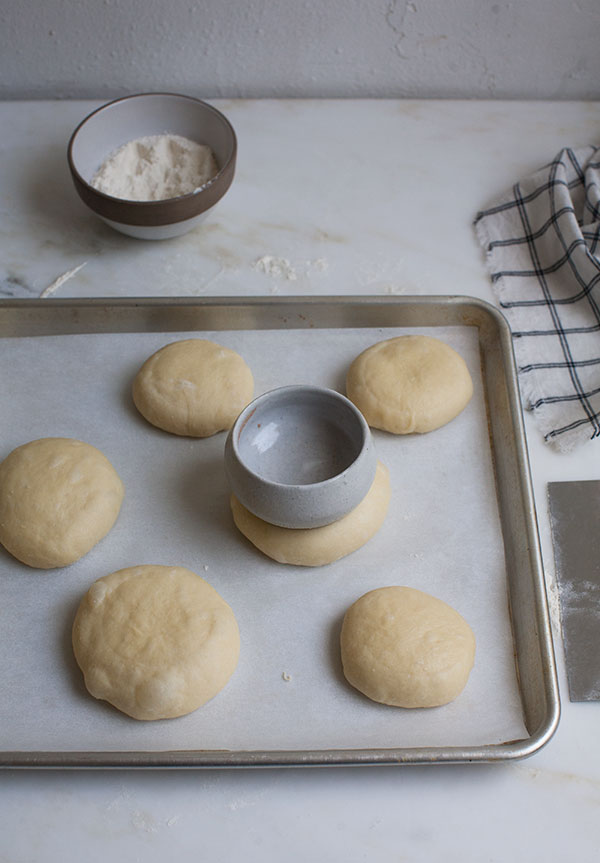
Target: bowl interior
{"points": [[300, 437], [149, 114]]}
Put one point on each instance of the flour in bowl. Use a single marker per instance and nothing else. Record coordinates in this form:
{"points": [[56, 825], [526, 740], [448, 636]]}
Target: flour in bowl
{"points": [[155, 168]]}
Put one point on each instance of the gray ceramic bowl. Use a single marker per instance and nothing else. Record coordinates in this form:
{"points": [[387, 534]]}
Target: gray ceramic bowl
{"points": [[300, 456], [123, 120]]}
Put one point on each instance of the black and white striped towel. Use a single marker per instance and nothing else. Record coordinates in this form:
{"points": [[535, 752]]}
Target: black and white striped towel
{"points": [[542, 245]]}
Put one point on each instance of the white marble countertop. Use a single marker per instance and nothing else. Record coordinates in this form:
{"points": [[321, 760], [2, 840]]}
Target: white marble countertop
{"points": [[330, 197]]}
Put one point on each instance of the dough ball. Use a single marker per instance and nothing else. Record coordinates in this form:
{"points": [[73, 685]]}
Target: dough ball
{"points": [[155, 641], [318, 546], [58, 498], [193, 387], [409, 384], [402, 647]]}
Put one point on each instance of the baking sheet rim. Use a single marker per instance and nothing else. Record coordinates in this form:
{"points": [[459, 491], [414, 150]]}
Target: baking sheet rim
{"points": [[68, 316]]}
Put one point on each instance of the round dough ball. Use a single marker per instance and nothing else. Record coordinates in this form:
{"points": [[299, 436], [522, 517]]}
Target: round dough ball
{"points": [[58, 498], [155, 641], [318, 546], [193, 387], [402, 647], [409, 384]]}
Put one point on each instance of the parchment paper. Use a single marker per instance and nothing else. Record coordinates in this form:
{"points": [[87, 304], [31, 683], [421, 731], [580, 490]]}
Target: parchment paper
{"points": [[441, 535]]}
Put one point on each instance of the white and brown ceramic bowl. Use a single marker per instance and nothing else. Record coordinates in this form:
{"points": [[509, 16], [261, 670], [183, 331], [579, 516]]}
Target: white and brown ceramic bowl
{"points": [[124, 120]]}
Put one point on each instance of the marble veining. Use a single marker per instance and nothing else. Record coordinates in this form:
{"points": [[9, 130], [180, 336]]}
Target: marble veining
{"points": [[382, 194], [307, 190]]}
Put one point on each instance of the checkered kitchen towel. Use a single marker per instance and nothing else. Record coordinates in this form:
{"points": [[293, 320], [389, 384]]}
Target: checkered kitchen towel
{"points": [[542, 245]]}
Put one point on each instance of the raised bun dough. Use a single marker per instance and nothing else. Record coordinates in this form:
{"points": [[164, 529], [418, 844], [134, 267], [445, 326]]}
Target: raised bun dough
{"points": [[405, 648], [193, 387], [155, 641], [409, 384], [318, 546], [58, 498]]}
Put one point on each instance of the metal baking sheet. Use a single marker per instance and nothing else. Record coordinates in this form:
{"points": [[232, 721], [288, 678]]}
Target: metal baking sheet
{"points": [[379, 735]]}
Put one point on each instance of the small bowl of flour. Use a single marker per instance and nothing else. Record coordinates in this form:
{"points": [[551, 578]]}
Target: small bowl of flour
{"points": [[153, 165]]}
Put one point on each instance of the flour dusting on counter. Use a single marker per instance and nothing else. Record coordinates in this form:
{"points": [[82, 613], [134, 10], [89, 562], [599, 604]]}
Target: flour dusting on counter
{"points": [[277, 267], [55, 285], [282, 268]]}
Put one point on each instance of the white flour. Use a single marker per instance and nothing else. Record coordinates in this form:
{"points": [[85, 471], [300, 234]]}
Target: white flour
{"points": [[278, 267], [155, 168]]}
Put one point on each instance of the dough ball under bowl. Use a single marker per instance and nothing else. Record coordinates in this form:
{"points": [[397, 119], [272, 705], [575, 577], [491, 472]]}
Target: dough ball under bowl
{"points": [[193, 387], [58, 498], [156, 642], [318, 546], [409, 384], [405, 648]]}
